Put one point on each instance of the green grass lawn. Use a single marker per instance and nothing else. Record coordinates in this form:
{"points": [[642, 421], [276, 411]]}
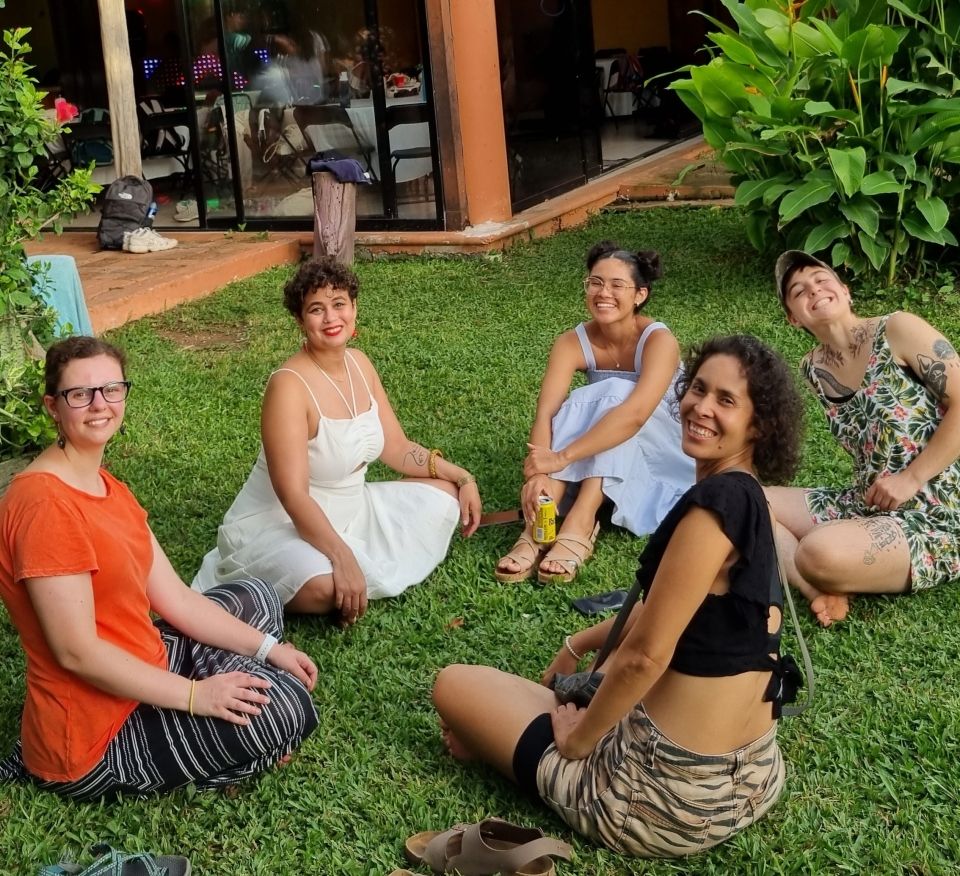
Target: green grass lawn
{"points": [[873, 769]]}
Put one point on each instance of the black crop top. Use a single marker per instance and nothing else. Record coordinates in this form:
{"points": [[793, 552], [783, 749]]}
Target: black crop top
{"points": [[728, 633]]}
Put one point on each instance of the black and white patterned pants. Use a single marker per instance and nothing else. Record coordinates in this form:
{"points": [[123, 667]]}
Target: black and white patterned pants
{"points": [[158, 750]]}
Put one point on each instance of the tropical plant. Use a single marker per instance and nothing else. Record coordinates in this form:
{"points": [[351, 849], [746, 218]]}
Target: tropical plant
{"points": [[841, 124], [26, 323]]}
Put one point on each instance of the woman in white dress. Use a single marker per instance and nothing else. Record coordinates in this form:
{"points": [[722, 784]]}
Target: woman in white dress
{"points": [[616, 438], [306, 520]]}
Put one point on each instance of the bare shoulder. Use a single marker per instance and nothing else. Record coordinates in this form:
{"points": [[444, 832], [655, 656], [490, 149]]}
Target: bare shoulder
{"points": [[362, 361], [661, 342], [909, 334]]}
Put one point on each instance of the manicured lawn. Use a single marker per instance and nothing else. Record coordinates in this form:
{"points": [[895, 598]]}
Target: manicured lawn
{"points": [[461, 344]]}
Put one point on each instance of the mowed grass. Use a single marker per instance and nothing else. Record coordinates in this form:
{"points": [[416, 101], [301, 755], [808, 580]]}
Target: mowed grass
{"points": [[461, 345]]}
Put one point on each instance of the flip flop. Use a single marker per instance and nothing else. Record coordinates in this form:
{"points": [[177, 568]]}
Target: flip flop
{"points": [[488, 847], [580, 548], [523, 542], [115, 863]]}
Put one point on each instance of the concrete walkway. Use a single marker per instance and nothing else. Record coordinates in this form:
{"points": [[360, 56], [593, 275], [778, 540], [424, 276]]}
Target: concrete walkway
{"points": [[120, 287]]}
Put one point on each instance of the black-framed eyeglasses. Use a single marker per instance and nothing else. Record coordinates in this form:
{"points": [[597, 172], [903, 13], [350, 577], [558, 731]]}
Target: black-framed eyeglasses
{"points": [[596, 284], [82, 396]]}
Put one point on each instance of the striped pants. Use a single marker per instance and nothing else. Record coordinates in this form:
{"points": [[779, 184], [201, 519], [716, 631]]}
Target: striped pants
{"points": [[158, 750], [643, 795]]}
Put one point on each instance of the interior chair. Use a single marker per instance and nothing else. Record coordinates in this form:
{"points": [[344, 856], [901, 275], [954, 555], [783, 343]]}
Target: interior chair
{"points": [[626, 77], [54, 166], [159, 137], [405, 114], [88, 138], [337, 132]]}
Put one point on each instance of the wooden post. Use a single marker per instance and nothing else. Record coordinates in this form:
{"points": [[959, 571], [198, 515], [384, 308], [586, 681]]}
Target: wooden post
{"points": [[124, 126], [334, 217]]}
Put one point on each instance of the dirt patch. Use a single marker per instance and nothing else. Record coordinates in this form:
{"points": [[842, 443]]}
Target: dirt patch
{"points": [[204, 338]]}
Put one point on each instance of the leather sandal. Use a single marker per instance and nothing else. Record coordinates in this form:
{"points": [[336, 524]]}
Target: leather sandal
{"points": [[489, 847], [518, 553], [580, 548]]}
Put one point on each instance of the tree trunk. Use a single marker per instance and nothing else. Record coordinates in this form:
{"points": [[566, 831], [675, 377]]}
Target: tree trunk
{"points": [[124, 127], [334, 217]]}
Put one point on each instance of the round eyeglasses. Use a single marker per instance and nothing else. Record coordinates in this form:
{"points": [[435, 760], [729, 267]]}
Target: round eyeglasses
{"points": [[82, 396], [595, 285]]}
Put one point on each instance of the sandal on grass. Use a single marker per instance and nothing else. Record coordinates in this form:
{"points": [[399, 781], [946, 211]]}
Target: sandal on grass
{"points": [[491, 846], [111, 862], [524, 549], [580, 550]]}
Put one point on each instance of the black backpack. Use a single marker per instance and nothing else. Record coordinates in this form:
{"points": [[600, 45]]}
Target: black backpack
{"points": [[125, 208]]}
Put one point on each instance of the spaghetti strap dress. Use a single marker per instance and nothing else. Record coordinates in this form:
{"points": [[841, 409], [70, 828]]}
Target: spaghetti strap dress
{"points": [[399, 531], [645, 475]]}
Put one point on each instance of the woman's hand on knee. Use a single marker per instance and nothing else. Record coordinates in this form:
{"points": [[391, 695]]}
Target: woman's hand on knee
{"points": [[232, 696], [284, 656], [542, 460], [565, 720]]}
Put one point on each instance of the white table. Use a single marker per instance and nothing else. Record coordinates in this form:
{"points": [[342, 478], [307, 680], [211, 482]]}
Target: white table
{"points": [[621, 102]]}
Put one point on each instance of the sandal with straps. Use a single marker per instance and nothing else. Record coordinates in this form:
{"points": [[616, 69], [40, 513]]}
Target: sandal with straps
{"points": [[518, 553], [580, 549], [111, 862], [488, 847]]}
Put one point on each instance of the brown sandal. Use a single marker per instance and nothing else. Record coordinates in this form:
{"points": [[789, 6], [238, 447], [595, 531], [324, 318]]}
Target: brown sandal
{"points": [[580, 548], [489, 847], [523, 543]]}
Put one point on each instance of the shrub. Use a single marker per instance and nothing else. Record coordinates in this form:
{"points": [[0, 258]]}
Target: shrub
{"points": [[26, 323], [841, 124]]}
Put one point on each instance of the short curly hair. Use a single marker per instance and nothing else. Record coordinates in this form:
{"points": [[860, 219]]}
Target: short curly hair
{"points": [[318, 274], [777, 407], [62, 353]]}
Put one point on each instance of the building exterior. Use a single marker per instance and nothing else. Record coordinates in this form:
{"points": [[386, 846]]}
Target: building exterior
{"points": [[461, 112]]}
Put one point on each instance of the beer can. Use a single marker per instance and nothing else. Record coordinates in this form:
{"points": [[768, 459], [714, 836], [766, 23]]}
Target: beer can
{"points": [[545, 528]]}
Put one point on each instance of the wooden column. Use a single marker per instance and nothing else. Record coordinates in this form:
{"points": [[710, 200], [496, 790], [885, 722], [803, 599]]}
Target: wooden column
{"points": [[334, 217], [124, 127]]}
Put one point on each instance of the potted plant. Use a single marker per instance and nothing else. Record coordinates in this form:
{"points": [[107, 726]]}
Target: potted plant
{"points": [[26, 322]]}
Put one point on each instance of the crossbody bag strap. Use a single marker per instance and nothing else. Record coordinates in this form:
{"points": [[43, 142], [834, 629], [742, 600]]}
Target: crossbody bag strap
{"points": [[614, 634]]}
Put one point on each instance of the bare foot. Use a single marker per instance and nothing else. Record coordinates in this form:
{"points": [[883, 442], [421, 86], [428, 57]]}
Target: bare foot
{"points": [[457, 749], [830, 607]]}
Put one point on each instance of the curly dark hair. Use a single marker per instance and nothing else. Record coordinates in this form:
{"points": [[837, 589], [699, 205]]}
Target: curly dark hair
{"points": [[777, 408], [318, 274], [62, 353], [644, 265]]}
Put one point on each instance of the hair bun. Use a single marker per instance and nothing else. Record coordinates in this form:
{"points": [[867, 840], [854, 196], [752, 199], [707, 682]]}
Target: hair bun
{"points": [[599, 250], [649, 263]]}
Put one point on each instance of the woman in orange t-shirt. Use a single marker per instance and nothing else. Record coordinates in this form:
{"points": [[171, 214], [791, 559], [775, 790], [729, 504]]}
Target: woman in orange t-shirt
{"points": [[115, 702]]}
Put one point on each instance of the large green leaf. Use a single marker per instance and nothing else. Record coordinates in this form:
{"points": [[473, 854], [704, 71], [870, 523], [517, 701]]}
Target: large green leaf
{"points": [[863, 212], [825, 108], [934, 211], [808, 42], [932, 130], [753, 189], [808, 195], [848, 165], [899, 86], [918, 227], [872, 45], [882, 182], [828, 33], [822, 235], [738, 50], [876, 249]]}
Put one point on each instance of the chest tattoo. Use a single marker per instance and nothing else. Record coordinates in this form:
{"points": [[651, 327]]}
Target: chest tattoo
{"points": [[836, 388]]}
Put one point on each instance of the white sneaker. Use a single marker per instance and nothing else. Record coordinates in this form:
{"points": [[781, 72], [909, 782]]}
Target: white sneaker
{"points": [[186, 211], [146, 240]]}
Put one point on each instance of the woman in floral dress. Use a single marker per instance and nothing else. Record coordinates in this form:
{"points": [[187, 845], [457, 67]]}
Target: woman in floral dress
{"points": [[887, 385]]}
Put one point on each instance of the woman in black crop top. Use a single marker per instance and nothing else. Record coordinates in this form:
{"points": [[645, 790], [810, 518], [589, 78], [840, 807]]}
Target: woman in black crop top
{"points": [[677, 751]]}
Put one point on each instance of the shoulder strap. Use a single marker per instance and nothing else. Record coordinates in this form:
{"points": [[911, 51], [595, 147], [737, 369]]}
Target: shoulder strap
{"points": [[360, 372], [307, 385], [649, 330], [586, 346]]}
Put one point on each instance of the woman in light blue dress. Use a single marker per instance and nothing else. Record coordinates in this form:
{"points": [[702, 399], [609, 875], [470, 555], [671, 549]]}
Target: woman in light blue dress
{"points": [[615, 438]]}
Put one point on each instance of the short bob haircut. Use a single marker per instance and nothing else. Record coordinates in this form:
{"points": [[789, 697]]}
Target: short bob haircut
{"points": [[315, 274], [62, 353], [777, 408], [644, 265]]}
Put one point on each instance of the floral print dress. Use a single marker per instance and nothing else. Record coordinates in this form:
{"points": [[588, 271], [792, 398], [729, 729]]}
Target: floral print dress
{"points": [[884, 426]]}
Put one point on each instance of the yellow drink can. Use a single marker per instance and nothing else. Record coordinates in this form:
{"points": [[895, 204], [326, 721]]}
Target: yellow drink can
{"points": [[545, 527]]}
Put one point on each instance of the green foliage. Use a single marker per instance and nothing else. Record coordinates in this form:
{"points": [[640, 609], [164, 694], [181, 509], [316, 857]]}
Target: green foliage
{"points": [[872, 772], [25, 322], [841, 123]]}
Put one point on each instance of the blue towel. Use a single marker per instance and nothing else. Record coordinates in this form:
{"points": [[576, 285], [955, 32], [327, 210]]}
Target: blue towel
{"points": [[59, 285]]}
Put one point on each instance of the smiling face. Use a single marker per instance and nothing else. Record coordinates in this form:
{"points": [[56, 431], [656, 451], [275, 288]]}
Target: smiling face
{"points": [[95, 425], [619, 296], [716, 415], [328, 318], [813, 295]]}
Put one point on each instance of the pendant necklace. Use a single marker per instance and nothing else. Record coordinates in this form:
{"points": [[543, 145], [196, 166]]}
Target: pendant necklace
{"points": [[352, 408]]}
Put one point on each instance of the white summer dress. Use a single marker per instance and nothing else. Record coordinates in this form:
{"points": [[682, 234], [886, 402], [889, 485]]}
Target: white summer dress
{"points": [[646, 474], [398, 531]]}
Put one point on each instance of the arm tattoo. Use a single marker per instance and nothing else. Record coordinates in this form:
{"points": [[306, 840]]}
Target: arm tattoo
{"points": [[417, 456], [837, 389], [858, 338], [884, 534], [943, 350], [933, 373]]}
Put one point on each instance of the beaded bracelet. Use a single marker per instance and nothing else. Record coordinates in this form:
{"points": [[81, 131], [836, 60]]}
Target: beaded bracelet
{"points": [[432, 463], [569, 647]]}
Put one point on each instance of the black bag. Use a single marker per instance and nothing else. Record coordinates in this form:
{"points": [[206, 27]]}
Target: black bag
{"points": [[125, 208]]}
